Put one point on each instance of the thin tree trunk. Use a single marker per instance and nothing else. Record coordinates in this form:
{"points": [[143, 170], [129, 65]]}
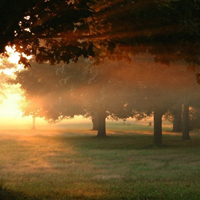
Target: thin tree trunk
{"points": [[95, 122], [101, 124], [157, 140], [33, 127], [185, 133], [177, 118]]}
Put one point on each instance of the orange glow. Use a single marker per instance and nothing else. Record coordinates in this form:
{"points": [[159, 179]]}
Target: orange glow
{"points": [[13, 55], [12, 61], [9, 113], [10, 64]]}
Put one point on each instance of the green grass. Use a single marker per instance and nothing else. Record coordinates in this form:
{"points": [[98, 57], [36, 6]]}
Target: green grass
{"points": [[75, 164], [116, 125]]}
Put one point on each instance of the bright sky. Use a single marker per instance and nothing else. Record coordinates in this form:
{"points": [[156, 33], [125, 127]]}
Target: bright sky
{"points": [[10, 115]]}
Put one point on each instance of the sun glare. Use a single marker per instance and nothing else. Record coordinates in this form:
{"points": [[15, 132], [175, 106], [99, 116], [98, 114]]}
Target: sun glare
{"points": [[12, 61], [10, 64], [9, 107], [13, 55]]}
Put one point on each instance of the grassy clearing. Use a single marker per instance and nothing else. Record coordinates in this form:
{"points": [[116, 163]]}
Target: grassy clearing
{"points": [[130, 125], [67, 164]]}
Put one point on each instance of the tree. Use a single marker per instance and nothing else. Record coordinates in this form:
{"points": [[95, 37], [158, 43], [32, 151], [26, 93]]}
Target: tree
{"points": [[186, 128], [34, 127], [11, 13], [91, 29], [194, 117], [150, 91], [95, 121], [53, 31], [44, 96], [61, 30], [100, 91], [166, 29], [109, 89], [62, 91], [174, 115], [152, 30], [156, 88], [177, 126]]}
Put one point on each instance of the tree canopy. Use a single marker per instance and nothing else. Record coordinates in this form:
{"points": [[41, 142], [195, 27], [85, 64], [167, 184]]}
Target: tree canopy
{"points": [[59, 30], [11, 13], [167, 29], [138, 89], [62, 91]]}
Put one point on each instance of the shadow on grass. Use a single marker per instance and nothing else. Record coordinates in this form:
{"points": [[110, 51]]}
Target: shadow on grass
{"points": [[6, 194], [130, 141], [111, 142]]}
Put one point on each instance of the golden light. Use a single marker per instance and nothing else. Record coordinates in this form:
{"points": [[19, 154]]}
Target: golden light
{"points": [[10, 64], [13, 55], [9, 108], [12, 61]]}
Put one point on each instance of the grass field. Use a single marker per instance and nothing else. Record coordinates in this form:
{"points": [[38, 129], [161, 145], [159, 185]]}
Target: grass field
{"points": [[75, 164]]}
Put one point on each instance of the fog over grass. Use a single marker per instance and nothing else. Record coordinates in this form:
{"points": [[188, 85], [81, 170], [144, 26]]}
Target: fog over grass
{"points": [[75, 164]]}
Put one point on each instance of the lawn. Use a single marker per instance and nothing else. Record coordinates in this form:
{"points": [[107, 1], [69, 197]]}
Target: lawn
{"points": [[75, 164]]}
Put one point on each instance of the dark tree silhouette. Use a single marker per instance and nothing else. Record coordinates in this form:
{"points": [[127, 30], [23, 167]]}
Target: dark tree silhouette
{"points": [[59, 30], [11, 13], [63, 91], [177, 125], [156, 88]]}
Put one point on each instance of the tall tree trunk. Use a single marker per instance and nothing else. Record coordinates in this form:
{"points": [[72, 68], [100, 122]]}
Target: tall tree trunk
{"points": [[95, 122], [101, 124], [157, 140], [33, 127], [177, 118], [185, 133]]}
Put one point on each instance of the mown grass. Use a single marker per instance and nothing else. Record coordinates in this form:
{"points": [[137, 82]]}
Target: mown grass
{"points": [[75, 164]]}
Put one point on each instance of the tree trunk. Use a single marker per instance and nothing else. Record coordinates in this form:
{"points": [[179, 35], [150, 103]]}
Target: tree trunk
{"points": [[157, 140], [101, 124], [177, 118], [95, 122], [185, 133], [33, 127]]}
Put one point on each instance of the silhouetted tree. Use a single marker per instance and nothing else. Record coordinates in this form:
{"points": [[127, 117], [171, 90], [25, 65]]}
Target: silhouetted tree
{"points": [[62, 91], [194, 114], [11, 13], [156, 88], [59, 30], [177, 126], [94, 122], [44, 95], [185, 135], [100, 90]]}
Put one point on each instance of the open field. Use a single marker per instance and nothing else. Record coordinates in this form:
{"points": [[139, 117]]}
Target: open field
{"points": [[74, 164]]}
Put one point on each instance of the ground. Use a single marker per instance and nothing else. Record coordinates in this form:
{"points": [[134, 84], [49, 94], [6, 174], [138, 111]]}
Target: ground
{"points": [[75, 164]]}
